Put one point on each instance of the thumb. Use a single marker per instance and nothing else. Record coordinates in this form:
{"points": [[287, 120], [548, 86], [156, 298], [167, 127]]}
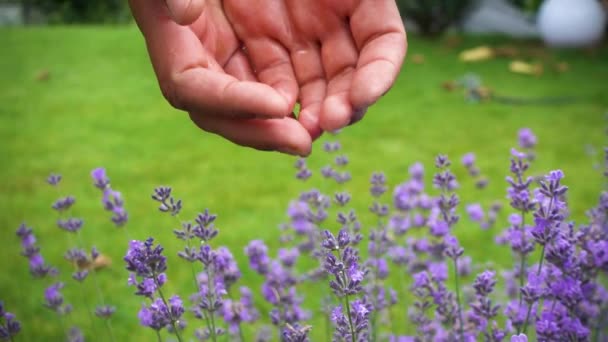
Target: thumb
{"points": [[185, 12]]}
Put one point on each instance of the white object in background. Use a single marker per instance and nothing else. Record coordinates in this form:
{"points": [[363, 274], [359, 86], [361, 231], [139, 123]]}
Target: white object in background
{"points": [[499, 17], [571, 23]]}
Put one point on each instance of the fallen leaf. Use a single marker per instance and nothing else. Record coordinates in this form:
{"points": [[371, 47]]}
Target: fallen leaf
{"points": [[43, 75], [418, 58], [100, 262], [453, 41], [524, 68], [562, 67], [449, 85], [477, 54]]}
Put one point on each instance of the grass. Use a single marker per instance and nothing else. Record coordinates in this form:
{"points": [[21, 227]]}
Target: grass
{"points": [[101, 107]]}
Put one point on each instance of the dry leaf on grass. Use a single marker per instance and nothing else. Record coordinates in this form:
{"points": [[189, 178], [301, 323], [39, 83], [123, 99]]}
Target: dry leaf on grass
{"points": [[43, 75], [477, 54], [418, 58], [100, 262], [525, 68]]}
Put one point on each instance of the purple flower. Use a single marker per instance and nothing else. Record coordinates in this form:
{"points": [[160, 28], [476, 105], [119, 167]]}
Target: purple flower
{"points": [[341, 160], [258, 256], [54, 299], [516, 154], [9, 325], [421, 279], [64, 203], [155, 316], [464, 266], [438, 271], [145, 260], [113, 202], [527, 139], [304, 172], [38, 267], [468, 160], [331, 146], [104, 311], [237, 312], [288, 257], [475, 212], [295, 333], [452, 249], [205, 228], [355, 323], [298, 213], [71, 225], [100, 179], [54, 179], [75, 335], [519, 338], [168, 204], [484, 283], [378, 184], [439, 228]]}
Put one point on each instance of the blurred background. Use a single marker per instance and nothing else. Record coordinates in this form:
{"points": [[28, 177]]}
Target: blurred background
{"points": [[77, 92]]}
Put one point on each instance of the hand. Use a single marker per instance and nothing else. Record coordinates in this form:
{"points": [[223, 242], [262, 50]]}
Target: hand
{"points": [[202, 69], [295, 50], [345, 54]]}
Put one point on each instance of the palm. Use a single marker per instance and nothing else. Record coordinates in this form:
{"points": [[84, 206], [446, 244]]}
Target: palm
{"points": [[240, 60], [338, 56]]}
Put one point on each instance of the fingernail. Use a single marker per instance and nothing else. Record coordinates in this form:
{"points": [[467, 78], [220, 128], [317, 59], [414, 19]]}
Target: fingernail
{"points": [[358, 114], [289, 150]]}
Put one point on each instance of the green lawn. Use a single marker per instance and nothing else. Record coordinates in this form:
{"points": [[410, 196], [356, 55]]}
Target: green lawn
{"points": [[101, 107]]}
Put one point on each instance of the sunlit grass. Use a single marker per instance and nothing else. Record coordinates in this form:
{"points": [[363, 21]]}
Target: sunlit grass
{"points": [[101, 107]]}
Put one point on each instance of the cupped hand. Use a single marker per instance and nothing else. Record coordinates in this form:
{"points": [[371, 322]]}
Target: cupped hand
{"points": [[238, 67], [345, 54], [202, 69]]}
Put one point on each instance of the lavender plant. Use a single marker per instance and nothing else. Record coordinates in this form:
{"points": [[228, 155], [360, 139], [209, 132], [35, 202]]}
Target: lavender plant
{"points": [[9, 325], [555, 291]]}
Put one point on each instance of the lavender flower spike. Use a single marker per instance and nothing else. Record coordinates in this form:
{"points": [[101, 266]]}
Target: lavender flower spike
{"points": [[9, 326], [54, 179], [519, 338], [100, 179]]}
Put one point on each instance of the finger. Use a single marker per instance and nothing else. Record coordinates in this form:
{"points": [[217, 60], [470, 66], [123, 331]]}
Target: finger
{"points": [[239, 67], [215, 93], [339, 55], [272, 66], [310, 75], [380, 37], [284, 135], [337, 110], [192, 80], [185, 12]]}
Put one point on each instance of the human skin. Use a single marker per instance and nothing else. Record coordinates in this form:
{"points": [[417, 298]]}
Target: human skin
{"points": [[239, 67]]}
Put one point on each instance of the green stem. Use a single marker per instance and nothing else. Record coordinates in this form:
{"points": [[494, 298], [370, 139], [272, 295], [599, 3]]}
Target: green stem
{"points": [[108, 325], [97, 287], [158, 336], [540, 265], [173, 320], [522, 265], [241, 336], [461, 326], [210, 312], [327, 326], [350, 321], [62, 322], [89, 309]]}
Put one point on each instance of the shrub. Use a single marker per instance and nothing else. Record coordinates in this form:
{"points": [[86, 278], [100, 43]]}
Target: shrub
{"points": [[83, 11], [433, 17], [554, 291]]}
